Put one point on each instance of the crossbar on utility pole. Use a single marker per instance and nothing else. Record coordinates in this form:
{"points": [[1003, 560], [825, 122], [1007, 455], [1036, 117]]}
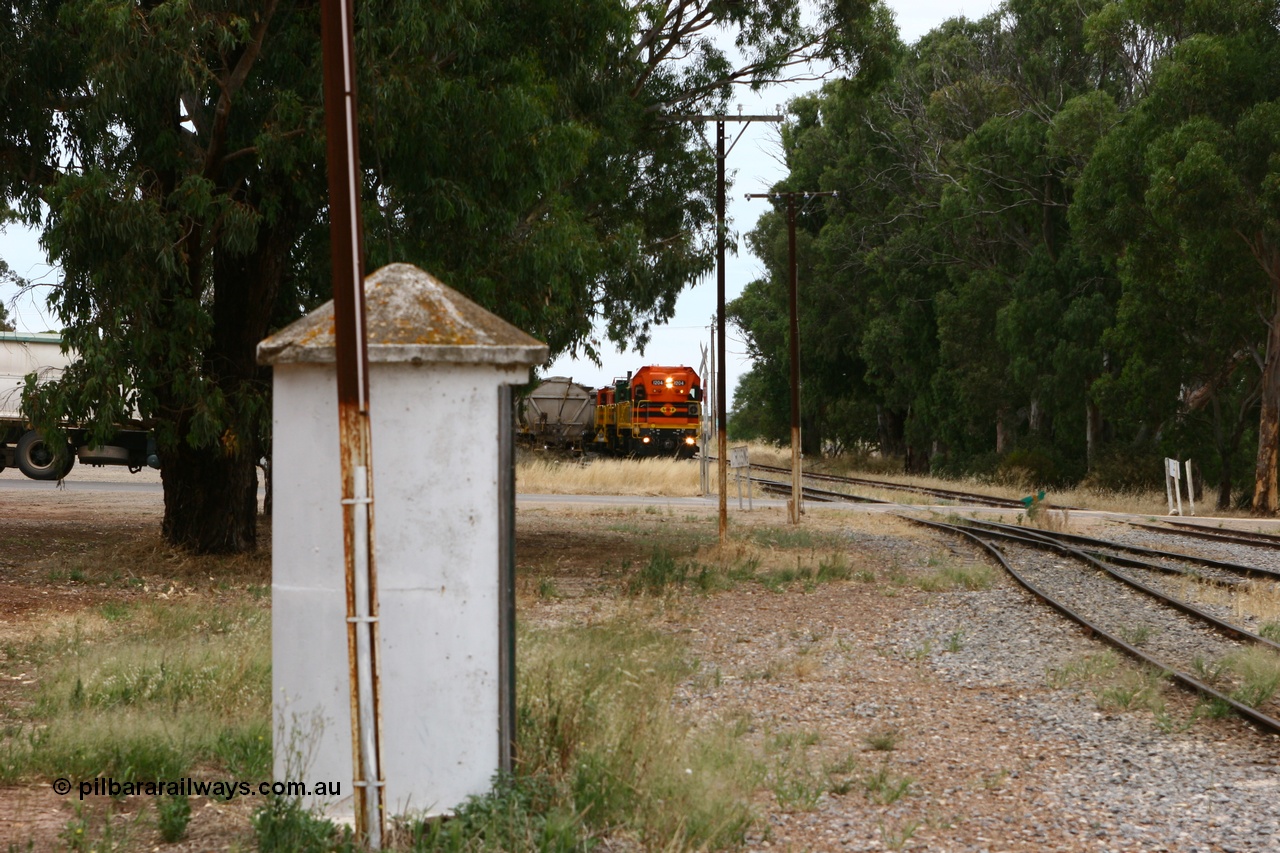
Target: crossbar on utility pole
{"points": [[797, 491], [722, 450]]}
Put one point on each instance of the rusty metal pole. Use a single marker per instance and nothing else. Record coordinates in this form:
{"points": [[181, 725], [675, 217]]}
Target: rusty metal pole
{"points": [[722, 452], [355, 443], [796, 471]]}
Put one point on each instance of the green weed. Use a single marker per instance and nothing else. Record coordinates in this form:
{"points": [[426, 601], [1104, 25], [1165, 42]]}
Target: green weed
{"points": [[1136, 635], [1259, 673], [884, 786], [172, 816], [883, 740], [148, 696], [520, 813], [282, 825], [1087, 670], [596, 722], [949, 575]]}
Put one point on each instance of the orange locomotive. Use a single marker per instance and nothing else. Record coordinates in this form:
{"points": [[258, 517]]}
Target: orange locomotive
{"points": [[655, 412]]}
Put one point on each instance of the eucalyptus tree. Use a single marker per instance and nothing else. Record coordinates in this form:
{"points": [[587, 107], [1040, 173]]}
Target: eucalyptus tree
{"points": [[172, 153], [1184, 192], [949, 291], [8, 276]]}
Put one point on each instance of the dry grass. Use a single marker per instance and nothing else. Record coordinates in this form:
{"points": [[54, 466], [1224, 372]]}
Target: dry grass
{"points": [[666, 477], [1249, 600], [680, 478]]}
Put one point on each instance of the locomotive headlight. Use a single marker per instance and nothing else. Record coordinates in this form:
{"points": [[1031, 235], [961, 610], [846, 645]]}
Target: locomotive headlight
{"points": [[644, 440], [689, 440], [671, 383]]}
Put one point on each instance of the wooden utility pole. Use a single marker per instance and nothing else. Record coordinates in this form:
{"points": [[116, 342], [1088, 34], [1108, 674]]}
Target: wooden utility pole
{"points": [[722, 451], [797, 472]]}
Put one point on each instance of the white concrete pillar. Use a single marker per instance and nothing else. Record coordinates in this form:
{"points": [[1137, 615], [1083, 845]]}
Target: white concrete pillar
{"points": [[437, 366]]}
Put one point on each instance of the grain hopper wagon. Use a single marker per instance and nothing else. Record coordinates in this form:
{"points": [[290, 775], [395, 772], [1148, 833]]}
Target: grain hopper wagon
{"points": [[557, 415]]}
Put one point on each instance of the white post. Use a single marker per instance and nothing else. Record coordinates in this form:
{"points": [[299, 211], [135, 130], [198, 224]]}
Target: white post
{"points": [[365, 689], [1191, 488], [1171, 485], [738, 460]]}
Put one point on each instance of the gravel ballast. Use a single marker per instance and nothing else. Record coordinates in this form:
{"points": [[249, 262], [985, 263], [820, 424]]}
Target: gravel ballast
{"points": [[997, 758]]}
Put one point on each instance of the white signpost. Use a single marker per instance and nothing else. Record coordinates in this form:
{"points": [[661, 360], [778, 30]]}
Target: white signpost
{"points": [[1173, 487], [739, 459]]}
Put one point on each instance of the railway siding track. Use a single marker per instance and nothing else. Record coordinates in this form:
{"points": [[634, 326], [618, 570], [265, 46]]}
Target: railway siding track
{"points": [[1112, 550], [1235, 537], [945, 494], [1176, 638]]}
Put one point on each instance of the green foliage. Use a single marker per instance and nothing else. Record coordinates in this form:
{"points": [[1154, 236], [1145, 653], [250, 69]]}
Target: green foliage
{"points": [[173, 688], [1048, 256], [596, 725], [1119, 471], [518, 814], [283, 826], [520, 151], [172, 816], [1030, 468], [663, 572]]}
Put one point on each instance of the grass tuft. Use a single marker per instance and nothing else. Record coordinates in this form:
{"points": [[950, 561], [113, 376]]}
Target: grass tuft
{"points": [[596, 723], [148, 697]]}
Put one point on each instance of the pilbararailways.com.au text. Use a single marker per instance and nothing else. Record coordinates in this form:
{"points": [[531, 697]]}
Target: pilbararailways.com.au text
{"points": [[225, 790]]}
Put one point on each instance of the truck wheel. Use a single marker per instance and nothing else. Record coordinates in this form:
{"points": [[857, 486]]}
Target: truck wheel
{"points": [[37, 460]]}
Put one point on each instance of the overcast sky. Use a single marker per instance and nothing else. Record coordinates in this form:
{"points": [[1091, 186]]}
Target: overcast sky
{"points": [[755, 166]]}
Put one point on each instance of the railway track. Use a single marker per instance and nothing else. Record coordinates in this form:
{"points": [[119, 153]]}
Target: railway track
{"points": [[774, 487], [1140, 606], [1201, 531], [820, 494]]}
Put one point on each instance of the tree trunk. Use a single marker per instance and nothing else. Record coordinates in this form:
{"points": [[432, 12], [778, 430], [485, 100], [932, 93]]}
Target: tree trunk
{"points": [[211, 492], [210, 499], [1092, 432], [890, 426], [1264, 487], [810, 436], [1004, 435]]}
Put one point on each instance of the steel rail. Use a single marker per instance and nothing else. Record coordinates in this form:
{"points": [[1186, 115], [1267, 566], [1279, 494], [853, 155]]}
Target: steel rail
{"points": [[1238, 537], [1270, 537], [773, 486], [1236, 568], [1117, 559], [985, 500], [1266, 722], [1231, 630]]}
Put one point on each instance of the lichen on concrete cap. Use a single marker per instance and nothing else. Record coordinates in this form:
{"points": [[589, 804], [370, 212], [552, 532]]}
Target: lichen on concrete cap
{"points": [[410, 316]]}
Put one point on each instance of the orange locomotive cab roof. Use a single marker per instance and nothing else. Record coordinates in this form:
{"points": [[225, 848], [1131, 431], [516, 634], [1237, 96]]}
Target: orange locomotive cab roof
{"points": [[657, 382]]}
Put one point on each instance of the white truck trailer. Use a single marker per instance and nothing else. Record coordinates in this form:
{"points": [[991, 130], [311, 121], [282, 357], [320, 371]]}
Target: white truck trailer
{"points": [[22, 447]]}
